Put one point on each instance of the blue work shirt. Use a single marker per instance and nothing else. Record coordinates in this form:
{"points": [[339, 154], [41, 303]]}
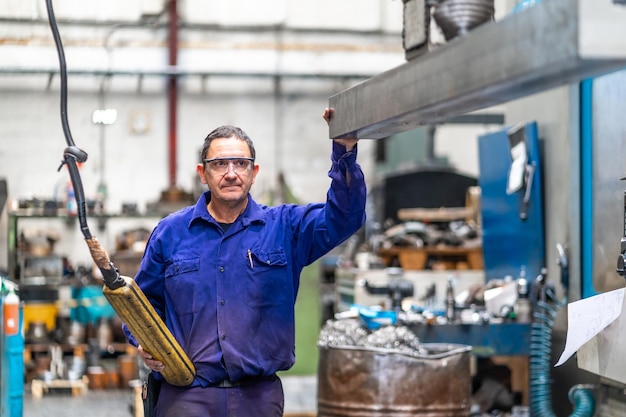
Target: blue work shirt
{"points": [[228, 297]]}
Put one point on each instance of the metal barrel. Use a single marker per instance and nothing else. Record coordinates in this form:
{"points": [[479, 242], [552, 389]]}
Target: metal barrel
{"points": [[372, 382]]}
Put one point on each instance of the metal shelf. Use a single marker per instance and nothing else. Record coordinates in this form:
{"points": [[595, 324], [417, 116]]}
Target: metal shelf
{"points": [[553, 43], [15, 216]]}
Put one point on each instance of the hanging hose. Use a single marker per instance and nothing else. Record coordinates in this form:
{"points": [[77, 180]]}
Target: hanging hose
{"points": [[72, 156], [581, 396]]}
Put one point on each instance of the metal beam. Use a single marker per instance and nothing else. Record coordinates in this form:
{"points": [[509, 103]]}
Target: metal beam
{"points": [[553, 43]]}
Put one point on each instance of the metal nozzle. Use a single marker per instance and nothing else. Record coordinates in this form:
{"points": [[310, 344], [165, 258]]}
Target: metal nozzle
{"points": [[112, 278]]}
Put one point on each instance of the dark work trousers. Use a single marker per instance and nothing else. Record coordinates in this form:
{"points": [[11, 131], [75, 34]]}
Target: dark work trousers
{"points": [[254, 398]]}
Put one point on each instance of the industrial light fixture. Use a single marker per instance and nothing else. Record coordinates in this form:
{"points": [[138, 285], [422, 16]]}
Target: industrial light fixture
{"points": [[104, 116]]}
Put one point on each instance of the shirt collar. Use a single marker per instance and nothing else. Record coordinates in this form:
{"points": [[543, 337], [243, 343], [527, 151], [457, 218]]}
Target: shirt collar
{"points": [[252, 213]]}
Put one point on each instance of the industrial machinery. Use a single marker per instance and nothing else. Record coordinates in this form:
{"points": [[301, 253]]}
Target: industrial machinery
{"points": [[122, 292], [397, 289], [576, 97]]}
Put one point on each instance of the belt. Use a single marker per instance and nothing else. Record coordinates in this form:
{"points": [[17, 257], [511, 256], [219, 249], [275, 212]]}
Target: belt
{"points": [[227, 383]]}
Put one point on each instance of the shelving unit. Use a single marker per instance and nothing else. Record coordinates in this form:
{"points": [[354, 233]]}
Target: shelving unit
{"points": [[448, 256], [15, 217], [46, 293]]}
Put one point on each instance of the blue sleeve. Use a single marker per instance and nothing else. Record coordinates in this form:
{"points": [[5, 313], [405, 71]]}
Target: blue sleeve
{"points": [[327, 225]]}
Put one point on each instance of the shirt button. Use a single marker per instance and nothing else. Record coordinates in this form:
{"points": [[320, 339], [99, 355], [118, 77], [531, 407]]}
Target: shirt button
{"points": [[268, 261], [223, 337], [221, 269], [222, 302]]}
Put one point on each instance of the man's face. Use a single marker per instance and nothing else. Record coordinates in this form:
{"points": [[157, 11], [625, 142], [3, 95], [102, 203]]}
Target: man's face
{"points": [[232, 185]]}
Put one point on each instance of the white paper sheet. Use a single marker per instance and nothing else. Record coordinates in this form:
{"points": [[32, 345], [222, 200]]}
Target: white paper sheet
{"points": [[588, 317], [518, 169]]}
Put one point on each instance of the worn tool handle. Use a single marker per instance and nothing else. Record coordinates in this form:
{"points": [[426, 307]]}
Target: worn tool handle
{"points": [[135, 310], [132, 306]]}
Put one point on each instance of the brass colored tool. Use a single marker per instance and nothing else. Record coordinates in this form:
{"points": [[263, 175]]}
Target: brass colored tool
{"points": [[132, 306]]}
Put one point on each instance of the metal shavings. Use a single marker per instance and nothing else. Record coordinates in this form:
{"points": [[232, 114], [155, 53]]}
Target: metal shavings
{"points": [[349, 332]]}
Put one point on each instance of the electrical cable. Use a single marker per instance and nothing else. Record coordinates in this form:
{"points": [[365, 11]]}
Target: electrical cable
{"points": [[72, 155]]}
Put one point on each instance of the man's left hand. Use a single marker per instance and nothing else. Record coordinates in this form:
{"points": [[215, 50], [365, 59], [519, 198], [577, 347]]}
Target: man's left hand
{"points": [[347, 142]]}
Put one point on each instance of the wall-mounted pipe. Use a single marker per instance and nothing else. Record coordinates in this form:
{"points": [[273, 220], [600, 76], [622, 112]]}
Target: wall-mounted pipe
{"points": [[144, 23], [172, 89], [181, 72]]}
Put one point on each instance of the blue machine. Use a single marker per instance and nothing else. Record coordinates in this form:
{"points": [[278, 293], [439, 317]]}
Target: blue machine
{"points": [[91, 305], [512, 202]]}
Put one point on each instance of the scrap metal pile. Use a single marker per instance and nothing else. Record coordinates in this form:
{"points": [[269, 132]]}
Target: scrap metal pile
{"points": [[350, 332]]}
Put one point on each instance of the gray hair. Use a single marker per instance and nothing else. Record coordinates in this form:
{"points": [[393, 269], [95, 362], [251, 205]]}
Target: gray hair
{"points": [[223, 132]]}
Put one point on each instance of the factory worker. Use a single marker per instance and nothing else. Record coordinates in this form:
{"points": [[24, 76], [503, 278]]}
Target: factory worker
{"points": [[224, 274]]}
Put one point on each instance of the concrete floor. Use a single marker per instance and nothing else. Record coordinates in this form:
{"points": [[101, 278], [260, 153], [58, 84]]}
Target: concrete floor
{"points": [[300, 401]]}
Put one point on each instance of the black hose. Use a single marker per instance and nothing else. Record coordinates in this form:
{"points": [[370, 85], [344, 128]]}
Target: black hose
{"points": [[72, 155]]}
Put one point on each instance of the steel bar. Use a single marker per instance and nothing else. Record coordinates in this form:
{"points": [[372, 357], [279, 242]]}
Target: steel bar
{"points": [[551, 44]]}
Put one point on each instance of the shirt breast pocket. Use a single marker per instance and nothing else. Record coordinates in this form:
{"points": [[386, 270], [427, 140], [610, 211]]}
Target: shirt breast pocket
{"points": [[181, 283], [268, 278]]}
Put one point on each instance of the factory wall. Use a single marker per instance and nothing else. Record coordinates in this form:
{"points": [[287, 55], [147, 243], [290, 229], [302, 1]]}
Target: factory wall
{"points": [[268, 67], [134, 165]]}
